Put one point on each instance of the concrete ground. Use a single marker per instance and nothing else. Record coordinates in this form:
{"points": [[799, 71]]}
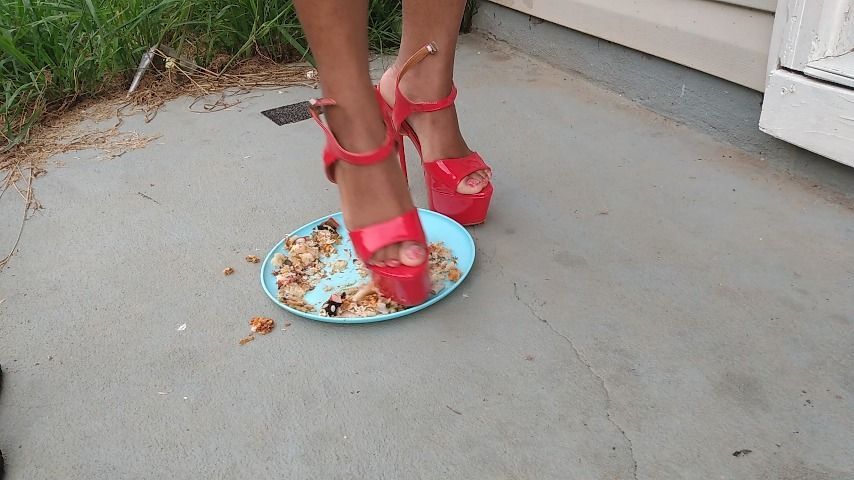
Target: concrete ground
{"points": [[646, 302]]}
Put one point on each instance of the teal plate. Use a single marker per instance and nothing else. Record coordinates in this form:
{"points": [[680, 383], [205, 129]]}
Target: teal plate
{"points": [[437, 227]]}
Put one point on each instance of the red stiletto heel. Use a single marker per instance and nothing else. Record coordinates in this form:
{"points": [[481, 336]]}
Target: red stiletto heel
{"points": [[405, 285], [442, 176]]}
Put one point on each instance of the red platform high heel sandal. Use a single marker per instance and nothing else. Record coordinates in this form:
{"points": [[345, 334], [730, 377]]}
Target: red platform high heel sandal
{"points": [[442, 176], [404, 284]]}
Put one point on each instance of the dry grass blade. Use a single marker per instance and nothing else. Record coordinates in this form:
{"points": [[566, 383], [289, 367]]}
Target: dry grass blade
{"points": [[30, 205], [174, 78]]}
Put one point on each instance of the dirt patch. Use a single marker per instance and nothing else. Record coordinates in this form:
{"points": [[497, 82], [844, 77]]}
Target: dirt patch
{"points": [[69, 126]]}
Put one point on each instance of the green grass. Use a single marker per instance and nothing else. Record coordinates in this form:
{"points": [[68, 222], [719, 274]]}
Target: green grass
{"points": [[55, 52]]}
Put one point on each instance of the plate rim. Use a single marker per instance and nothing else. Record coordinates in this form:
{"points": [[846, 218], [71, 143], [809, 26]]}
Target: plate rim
{"points": [[377, 318]]}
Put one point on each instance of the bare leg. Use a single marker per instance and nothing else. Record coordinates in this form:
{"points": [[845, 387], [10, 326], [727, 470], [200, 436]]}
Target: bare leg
{"points": [[438, 21], [337, 34]]}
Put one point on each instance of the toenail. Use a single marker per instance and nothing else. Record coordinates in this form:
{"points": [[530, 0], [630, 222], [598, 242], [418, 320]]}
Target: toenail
{"points": [[415, 252], [472, 182], [393, 263]]}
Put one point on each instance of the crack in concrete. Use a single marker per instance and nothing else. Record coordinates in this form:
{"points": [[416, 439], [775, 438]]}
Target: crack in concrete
{"points": [[147, 197], [581, 358]]}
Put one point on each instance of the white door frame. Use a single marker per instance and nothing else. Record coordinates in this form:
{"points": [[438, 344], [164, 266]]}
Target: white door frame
{"points": [[814, 114]]}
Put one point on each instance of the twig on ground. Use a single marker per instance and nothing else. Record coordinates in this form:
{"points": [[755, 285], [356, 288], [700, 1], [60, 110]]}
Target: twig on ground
{"points": [[29, 204]]}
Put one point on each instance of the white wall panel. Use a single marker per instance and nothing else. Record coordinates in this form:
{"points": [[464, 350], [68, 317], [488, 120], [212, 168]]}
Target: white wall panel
{"points": [[715, 37]]}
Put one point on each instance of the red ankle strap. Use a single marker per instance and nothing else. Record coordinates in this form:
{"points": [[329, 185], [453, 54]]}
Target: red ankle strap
{"points": [[404, 107], [334, 151]]}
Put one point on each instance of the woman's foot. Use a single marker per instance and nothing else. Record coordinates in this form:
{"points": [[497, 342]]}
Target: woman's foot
{"points": [[438, 132], [372, 194]]}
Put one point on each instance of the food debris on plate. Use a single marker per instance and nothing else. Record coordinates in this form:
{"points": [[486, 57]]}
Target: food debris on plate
{"points": [[362, 301], [443, 266], [301, 268], [262, 325], [332, 307], [308, 260]]}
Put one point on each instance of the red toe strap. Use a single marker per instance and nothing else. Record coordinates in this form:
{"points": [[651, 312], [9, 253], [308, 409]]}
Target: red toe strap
{"points": [[405, 228], [451, 172]]}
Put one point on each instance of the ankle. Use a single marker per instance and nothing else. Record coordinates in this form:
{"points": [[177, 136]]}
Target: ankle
{"points": [[424, 82], [355, 129]]}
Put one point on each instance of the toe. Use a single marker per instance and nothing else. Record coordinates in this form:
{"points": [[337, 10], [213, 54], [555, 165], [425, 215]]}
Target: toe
{"points": [[412, 254], [472, 184], [379, 259]]}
